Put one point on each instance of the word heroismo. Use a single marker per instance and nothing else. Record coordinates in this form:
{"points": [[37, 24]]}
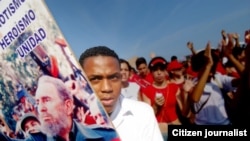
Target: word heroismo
{"points": [[209, 133]]}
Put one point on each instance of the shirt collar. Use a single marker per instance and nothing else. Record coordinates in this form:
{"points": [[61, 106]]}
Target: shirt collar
{"points": [[121, 109]]}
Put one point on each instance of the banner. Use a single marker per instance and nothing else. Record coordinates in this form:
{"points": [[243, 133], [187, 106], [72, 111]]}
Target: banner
{"points": [[42, 88]]}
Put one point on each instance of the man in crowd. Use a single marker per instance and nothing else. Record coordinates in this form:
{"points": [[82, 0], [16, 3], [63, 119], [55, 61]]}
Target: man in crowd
{"points": [[143, 71], [31, 126], [133, 120]]}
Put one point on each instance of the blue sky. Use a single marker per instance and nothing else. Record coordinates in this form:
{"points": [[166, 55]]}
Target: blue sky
{"points": [[139, 27]]}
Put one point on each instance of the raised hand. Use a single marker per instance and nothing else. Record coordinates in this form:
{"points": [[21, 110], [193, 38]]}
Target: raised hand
{"points": [[228, 47], [190, 45], [188, 85], [208, 55]]}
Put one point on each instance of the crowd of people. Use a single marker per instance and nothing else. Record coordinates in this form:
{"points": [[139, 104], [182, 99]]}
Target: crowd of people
{"points": [[210, 87], [205, 89]]}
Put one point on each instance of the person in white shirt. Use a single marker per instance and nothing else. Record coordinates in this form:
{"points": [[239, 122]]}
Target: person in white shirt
{"points": [[130, 90], [133, 120], [207, 96]]}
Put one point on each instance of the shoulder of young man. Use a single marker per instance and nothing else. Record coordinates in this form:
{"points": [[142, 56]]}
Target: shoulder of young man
{"points": [[134, 107]]}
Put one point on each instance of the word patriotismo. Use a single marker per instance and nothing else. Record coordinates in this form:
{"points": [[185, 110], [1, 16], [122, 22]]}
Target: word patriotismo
{"points": [[19, 27], [10, 10], [209, 133], [31, 42]]}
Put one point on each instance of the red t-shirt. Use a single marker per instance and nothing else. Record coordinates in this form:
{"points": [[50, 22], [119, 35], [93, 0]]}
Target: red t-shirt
{"points": [[143, 83], [167, 112], [149, 77]]}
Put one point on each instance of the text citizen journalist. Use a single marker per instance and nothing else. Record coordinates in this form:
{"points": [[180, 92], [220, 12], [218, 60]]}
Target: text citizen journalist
{"points": [[206, 133]]}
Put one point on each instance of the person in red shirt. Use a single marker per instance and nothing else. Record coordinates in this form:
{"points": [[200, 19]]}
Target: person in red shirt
{"points": [[176, 72], [162, 95], [143, 71], [144, 78]]}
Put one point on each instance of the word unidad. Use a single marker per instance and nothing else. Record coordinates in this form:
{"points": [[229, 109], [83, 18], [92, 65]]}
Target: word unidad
{"points": [[206, 133], [31, 42]]}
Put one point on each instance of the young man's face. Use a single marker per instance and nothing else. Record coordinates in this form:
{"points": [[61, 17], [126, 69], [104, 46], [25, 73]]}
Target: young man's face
{"points": [[104, 75], [142, 69], [32, 126], [159, 75]]}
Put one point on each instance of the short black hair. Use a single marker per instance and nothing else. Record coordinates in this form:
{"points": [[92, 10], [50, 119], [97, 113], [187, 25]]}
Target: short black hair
{"points": [[237, 51], [25, 118], [139, 61], [157, 62], [174, 58], [198, 61], [96, 51]]}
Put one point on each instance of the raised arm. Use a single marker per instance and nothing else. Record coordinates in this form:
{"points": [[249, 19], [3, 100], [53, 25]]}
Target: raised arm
{"points": [[203, 76], [227, 51], [190, 45]]}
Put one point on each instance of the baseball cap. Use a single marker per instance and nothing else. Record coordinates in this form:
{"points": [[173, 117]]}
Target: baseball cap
{"points": [[173, 65], [157, 62], [27, 117]]}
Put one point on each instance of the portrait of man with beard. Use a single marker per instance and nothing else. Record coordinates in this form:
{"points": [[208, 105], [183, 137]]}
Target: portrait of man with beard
{"points": [[55, 107]]}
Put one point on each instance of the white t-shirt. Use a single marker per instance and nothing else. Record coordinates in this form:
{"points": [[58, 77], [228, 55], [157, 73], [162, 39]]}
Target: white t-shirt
{"points": [[135, 121], [131, 91], [214, 112]]}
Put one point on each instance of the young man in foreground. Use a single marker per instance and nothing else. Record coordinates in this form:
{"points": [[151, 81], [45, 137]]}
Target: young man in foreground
{"points": [[133, 120]]}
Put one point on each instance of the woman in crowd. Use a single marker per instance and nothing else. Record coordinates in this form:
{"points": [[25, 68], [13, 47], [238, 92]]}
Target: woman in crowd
{"points": [[162, 95], [130, 90]]}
